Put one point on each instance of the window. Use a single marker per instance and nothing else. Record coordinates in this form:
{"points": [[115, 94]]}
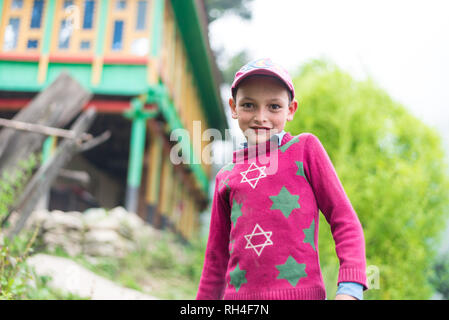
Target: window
{"points": [[85, 45], [118, 35], [32, 44], [36, 14], [140, 46], [120, 5], [68, 3], [141, 15], [17, 4], [88, 14], [11, 34], [64, 34]]}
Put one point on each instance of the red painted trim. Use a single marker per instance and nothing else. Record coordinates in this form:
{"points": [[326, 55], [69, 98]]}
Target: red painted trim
{"points": [[125, 60], [108, 106], [19, 56], [70, 58], [102, 106], [64, 58]]}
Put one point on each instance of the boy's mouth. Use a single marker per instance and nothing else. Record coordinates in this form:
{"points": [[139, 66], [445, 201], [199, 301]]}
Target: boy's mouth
{"points": [[260, 129]]}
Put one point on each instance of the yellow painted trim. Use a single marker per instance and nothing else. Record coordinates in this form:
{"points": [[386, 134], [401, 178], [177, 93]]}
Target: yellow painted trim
{"points": [[25, 32], [173, 191], [155, 158], [42, 68], [153, 70], [5, 20], [97, 70], [164, 190]]}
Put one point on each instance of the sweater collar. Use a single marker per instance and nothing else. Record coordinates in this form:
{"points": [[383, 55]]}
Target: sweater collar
{"points": [[279, 135], [262, 149]]}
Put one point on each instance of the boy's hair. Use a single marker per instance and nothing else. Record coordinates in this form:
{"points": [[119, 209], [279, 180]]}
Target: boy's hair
{"points": [[290, 98]]}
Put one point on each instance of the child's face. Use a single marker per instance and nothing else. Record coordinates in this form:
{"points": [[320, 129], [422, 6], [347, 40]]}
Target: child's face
{"points": [[262, 108]]}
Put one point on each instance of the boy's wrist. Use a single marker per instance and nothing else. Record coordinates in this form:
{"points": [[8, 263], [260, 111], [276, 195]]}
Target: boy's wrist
{"points": [[352, 289]]}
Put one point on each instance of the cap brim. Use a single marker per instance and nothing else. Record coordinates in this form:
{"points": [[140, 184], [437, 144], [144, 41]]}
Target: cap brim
{"points": [[263, 72]]}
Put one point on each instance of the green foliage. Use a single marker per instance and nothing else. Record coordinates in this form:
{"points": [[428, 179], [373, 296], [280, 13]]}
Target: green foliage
{"points": [[14, 274], [41, 290], [233, 65], [17, 279], [12, 183], [393, 169], [440, 278], [164, 269]]}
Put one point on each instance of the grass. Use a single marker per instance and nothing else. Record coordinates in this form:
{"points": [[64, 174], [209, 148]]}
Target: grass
{"points": [[167, 270]]}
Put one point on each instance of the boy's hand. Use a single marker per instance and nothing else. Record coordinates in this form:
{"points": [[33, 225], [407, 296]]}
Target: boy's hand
{"points": [[344, 297]]}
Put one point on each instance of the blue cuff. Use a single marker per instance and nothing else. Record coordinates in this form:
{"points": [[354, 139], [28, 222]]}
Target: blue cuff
{"points": [[351, 288]]}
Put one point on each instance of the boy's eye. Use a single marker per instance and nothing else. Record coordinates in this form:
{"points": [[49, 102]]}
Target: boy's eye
{"points": [[275, 106], [247, 105]]}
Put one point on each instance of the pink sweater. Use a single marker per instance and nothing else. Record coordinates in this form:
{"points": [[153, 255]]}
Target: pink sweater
{"points": [[263, 238]]}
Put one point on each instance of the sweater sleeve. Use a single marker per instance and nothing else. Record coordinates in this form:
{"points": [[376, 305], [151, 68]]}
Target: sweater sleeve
{"points": [[335, 205], [212, 282]]}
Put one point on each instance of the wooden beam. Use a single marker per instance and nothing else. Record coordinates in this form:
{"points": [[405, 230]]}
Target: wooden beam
{"points": [[38, 128], [56, 106]]}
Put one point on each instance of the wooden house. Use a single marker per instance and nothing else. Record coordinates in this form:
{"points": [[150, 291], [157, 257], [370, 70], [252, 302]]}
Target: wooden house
{"points": [[150, 68]]}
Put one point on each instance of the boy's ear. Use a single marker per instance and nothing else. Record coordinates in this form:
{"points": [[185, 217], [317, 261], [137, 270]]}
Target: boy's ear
{"points": [[292, 109], [233, 108]]}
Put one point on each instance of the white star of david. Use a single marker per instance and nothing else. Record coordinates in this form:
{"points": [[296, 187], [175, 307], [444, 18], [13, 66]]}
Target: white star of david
{"points": [[258, 247], [262, 174]]}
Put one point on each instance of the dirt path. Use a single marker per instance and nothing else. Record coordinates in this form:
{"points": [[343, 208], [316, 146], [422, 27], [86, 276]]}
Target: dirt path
{"points": [[69, 276]]}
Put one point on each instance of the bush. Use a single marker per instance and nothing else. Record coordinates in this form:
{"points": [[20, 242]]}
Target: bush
{"points": [[393, 169]]}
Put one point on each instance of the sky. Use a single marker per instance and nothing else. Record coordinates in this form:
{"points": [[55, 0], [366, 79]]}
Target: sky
{"points": [[402, 45]]}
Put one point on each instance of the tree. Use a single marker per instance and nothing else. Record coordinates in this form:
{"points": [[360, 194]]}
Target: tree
{"points": [[217, 8], [233, 65], [440, 278], [393, 169]]}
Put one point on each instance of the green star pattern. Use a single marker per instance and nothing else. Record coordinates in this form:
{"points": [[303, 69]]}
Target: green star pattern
{"points": [[291, 271], [237, 277], [232, 242], [225, 183], [236, 211], [285, 201], [288, 144], [300, 171], [228, 167], [310, 235]]}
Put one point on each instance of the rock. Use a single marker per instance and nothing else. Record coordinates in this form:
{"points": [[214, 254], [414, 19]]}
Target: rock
{"points": [[97, 249], [64, 220], [105, 222], [96, 232], [69, 276], [105, 242], [99, 235]]}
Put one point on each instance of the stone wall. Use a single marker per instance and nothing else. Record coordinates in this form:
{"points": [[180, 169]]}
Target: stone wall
{"points": [[95, 232]]}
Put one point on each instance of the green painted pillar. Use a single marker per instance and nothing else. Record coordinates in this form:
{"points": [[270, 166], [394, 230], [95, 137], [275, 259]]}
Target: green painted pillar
{"points": [[97, 63], [48, 25], [46, 41], [157, 28], [101, 29], [137, 146], [48, 148], [155, 38]]}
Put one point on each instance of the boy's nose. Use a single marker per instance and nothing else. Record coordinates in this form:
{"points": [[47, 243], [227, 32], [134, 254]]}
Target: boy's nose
{"points": [[260, 116]]}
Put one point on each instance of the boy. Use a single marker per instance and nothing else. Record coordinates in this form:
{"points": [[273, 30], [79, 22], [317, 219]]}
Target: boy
{"points": [[263, 238]]}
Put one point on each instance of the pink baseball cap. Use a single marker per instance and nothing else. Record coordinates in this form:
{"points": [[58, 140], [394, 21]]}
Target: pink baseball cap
{"points": [[263, 66]]}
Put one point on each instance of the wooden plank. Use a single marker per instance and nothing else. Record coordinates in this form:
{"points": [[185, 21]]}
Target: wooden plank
{"points": [[45, 175], [49, 131], [55, 107]]}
